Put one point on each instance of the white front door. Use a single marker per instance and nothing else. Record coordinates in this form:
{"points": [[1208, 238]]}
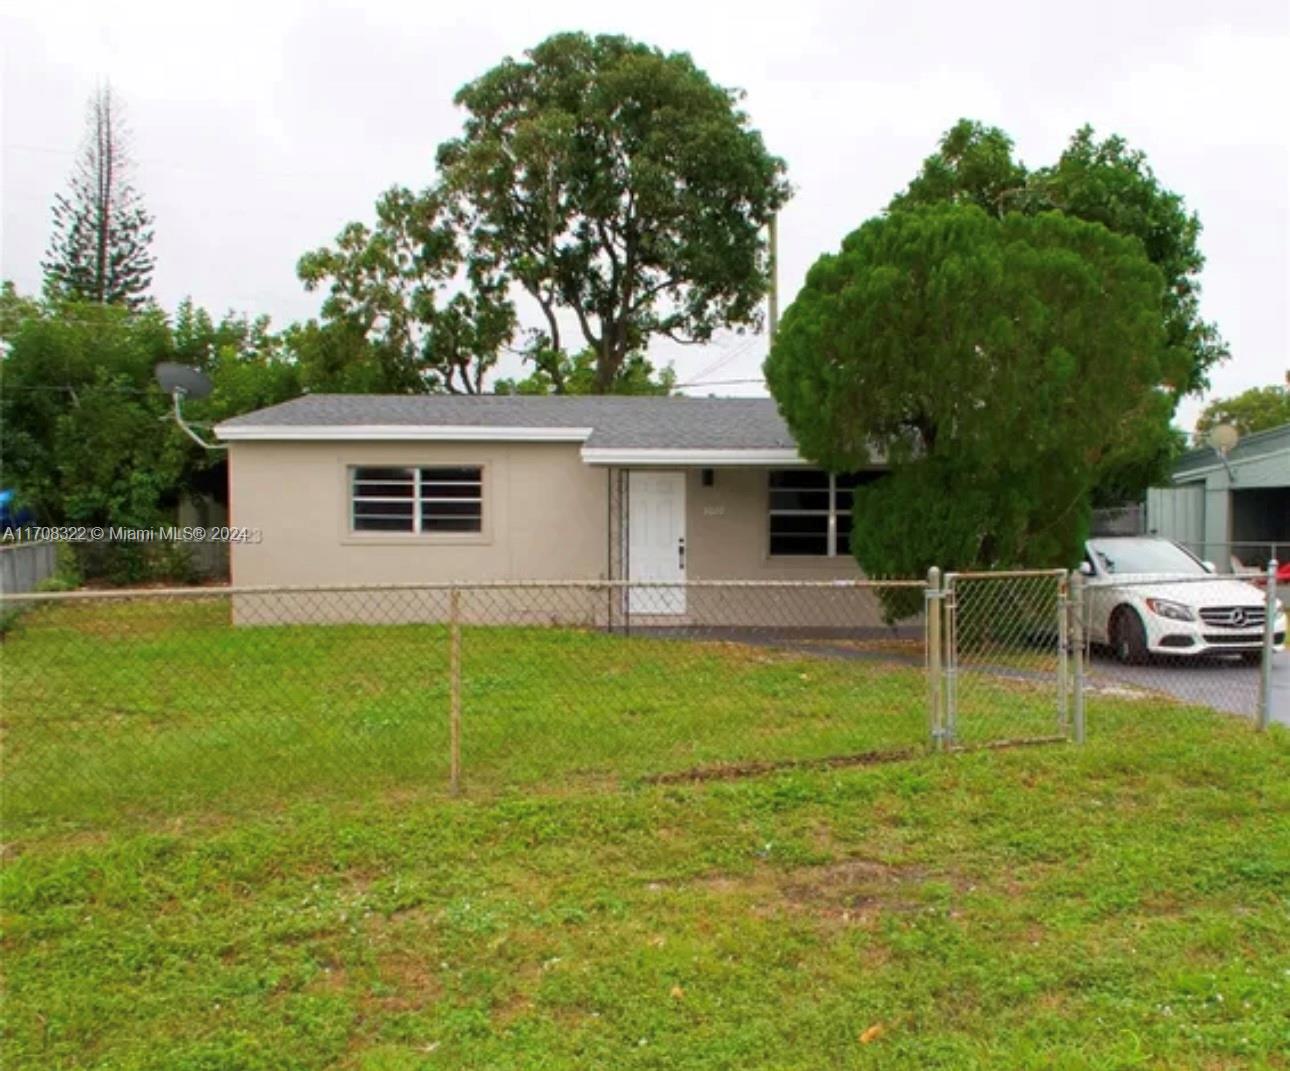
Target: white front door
{"points": [[656, 540]]}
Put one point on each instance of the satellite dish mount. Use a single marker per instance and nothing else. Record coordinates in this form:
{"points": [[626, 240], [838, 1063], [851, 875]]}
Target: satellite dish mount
{"points": [[180, 382], [1223, 437]]}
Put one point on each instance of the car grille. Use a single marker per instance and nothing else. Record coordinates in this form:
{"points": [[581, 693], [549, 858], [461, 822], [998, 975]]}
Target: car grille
{"points": [[1234, 639], [1233, 616]]}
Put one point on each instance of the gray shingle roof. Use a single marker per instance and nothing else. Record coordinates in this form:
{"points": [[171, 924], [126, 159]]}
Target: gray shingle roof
{"points": [[631, 422]]}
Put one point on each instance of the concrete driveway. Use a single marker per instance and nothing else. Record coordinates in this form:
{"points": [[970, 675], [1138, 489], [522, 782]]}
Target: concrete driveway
{"points": [[1224, 684]]}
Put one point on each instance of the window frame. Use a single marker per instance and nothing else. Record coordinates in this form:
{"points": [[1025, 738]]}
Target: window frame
{"points": [[830, 513], [417, 499]]}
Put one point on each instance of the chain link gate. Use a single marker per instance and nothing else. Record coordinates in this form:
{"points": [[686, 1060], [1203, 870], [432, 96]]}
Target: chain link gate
{"points": [[1001, 663]]}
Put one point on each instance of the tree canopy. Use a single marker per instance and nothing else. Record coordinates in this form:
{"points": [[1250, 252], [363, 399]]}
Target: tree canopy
{"points": [[1256, 409], [617, 184], [85, 433], [637, 375], [428, 316], [100, 250], [1104, 182], [995, 363]]}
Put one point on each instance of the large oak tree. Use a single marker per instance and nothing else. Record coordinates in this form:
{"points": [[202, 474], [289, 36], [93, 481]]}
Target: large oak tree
{"points": [[621, 189]]}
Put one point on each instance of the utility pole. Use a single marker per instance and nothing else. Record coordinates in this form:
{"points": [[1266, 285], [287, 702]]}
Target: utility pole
{"points": [[773, 296]]}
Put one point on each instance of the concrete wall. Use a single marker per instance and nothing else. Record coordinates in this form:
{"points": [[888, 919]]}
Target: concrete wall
{"points": [[728, 538], [728, 533], [544, 515], [545, 518]]}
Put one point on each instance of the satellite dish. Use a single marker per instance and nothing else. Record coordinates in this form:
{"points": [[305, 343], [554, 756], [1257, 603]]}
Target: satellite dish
{"points": [[1222, 437], [179, 377], [180, 382]]}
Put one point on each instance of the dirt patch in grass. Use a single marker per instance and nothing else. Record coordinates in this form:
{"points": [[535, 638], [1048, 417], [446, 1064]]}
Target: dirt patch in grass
{"points": [[895, 645], [848, 891], [409, 980], [734, 770], [852, 890]]}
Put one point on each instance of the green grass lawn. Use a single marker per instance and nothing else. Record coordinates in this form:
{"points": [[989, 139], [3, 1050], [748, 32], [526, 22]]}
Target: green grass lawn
{"points": [[1124, 904], [155, 706], [1120, 905]]}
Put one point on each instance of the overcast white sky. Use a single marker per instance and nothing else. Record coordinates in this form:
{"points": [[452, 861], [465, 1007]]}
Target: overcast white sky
{"points": [[260, 128]]}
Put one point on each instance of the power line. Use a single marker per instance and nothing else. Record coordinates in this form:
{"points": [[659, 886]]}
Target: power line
{"points": [[738, 351], [718, 382]]}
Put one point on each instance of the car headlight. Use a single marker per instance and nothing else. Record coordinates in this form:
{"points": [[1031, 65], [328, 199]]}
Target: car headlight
{"points": [[1175, 611]]}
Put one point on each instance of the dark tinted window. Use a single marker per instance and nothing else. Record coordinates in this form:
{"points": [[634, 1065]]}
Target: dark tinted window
{"points": [[385, 499]]}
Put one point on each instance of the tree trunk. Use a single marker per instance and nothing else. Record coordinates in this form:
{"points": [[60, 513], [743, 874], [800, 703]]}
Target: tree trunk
{"points": [[103, 207]]}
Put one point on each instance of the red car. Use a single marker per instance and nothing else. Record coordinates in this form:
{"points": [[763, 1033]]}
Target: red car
{"points": [[1261, 578]]}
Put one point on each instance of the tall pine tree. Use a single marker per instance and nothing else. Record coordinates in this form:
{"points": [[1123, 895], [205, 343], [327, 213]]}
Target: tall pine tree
{"points": [[100, 250]]}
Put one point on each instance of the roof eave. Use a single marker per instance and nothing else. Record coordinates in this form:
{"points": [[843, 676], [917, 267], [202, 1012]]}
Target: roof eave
{"points": [[230, 432], [725, 457], [1187, 475]]}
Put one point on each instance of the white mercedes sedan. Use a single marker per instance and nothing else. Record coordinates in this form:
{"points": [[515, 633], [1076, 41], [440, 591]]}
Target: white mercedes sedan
{"points": [[1147, 596]]}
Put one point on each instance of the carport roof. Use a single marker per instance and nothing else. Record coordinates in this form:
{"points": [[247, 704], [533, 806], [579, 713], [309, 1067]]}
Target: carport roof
{"points": [[606, 424], [1249, 448]]}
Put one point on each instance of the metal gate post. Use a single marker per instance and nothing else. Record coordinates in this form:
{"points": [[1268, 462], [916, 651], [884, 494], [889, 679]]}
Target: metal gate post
{"points": [[949, 596], [1269, 635], [1077, 651], [454, 691], [1063, 654], [935, 687]]}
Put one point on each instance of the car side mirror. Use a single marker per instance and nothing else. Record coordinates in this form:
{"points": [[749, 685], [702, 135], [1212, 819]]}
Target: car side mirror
{"points": [[1208, 567], [1085, 569]]}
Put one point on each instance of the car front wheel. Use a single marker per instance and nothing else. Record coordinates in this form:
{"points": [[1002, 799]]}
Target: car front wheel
{"points": [[1129, 637]]}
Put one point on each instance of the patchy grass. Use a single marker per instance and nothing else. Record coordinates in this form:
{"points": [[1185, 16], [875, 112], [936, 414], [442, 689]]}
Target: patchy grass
{"points": [[1120, 905], [164, 706], [231, 848]]}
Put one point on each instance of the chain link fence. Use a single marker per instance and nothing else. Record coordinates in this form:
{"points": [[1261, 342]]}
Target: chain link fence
{"points": [[1211, 641], [170, 700]]}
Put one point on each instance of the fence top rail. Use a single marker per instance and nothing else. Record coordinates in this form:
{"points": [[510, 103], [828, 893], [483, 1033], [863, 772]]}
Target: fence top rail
{"points": [[224, 591], [1004, 574], [1259, 543]]}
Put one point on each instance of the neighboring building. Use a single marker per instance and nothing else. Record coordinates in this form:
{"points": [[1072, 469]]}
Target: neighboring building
{"points": [[371, 489], [1238, 507]]}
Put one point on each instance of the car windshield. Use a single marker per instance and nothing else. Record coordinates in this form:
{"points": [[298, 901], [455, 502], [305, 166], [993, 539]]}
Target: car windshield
{"points": [[1144, 556]]}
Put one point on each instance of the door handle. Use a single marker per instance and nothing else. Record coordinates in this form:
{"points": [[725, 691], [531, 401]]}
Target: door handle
{"points": [[680, 553]]}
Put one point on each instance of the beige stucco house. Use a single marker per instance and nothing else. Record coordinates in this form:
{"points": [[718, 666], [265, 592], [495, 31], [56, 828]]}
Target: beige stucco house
{"points": [[383, 489]]}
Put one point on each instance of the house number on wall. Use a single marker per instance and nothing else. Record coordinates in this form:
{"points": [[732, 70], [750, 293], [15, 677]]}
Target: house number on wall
{"points": [[714, 511]]}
